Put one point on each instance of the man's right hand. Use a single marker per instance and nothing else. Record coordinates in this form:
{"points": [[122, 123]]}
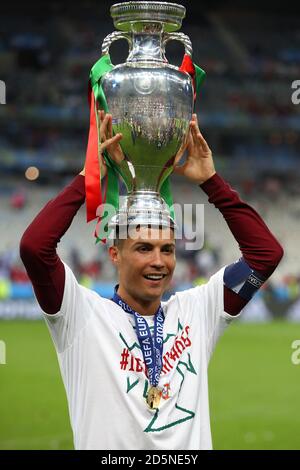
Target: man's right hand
{"points": [[109, 142]]}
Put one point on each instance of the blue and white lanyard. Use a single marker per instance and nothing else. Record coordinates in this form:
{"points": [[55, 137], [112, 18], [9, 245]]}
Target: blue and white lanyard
{"points": [[152, 348]]}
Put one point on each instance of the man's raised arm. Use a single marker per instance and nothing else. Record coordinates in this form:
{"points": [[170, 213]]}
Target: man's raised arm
{"points": [[261, 252], [39, 241]]}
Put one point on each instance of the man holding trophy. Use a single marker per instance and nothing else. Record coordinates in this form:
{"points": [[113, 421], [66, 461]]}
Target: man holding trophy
{"points": [[135, 367]]}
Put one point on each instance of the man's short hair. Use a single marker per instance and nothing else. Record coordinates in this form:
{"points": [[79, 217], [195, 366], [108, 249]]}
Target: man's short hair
{"points": [[123, 233]]}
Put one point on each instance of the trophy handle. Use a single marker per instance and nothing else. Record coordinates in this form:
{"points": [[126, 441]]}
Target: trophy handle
{"points": [[115, 36], [181, 37]]}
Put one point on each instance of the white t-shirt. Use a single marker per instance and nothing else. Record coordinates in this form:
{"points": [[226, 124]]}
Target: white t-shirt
{"points": [[103, 369]]}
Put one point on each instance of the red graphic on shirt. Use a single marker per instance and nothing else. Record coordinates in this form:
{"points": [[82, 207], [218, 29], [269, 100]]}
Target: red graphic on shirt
{"points": [[124, 359], [130, 362], [171, 357]]}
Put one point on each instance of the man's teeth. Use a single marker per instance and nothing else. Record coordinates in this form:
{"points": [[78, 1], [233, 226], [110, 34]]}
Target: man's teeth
{"points": [[154, 277]]}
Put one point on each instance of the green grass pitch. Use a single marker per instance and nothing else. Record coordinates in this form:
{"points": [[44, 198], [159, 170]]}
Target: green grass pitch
{"points": [[254, 389]]}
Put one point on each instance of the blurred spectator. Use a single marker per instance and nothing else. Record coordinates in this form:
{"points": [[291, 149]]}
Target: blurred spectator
{"points": [[18, 274], [18, 199], [92, 269]]}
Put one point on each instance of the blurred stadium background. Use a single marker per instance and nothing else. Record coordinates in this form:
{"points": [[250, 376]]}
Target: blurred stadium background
{"points": [[251, 55]]}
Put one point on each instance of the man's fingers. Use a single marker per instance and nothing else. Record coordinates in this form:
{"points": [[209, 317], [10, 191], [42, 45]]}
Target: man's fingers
{"points": [[194, 122], [198, 137], [106, 119], [179, 170], [110, 128], [113, 140], [197, 133], [177, 159], [102, 160], [203, 141], [103, 128], [194, 131]]}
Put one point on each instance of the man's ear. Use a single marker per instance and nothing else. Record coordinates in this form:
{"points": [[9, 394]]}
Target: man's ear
{"points": [[113, 252]]}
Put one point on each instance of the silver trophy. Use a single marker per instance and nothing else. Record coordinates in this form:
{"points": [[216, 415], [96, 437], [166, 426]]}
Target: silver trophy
{"points": [[151, 103]]}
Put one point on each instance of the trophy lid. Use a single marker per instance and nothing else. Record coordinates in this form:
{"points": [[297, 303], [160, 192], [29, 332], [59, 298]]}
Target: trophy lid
{"points": [[126, 13]]}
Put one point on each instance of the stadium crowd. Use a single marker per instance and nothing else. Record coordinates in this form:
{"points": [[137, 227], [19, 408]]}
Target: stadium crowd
{"points": [[193, 268], [245, 111]]}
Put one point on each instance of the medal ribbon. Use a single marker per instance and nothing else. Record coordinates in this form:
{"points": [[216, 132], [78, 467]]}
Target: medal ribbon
{"points": [[152, 348]]}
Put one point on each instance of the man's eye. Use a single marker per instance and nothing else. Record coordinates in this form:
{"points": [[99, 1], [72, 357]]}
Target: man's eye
{"points": [[143, 248], [168, 250]]}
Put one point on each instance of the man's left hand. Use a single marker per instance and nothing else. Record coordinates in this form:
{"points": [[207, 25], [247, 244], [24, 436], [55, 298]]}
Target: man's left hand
{"points": [[199, 165]]}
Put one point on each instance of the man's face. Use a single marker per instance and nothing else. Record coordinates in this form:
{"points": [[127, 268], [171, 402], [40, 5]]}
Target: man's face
{"points": [[146, 262]]}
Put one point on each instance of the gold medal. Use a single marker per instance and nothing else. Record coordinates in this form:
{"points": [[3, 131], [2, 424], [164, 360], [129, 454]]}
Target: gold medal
{"points": [[153, 397]]}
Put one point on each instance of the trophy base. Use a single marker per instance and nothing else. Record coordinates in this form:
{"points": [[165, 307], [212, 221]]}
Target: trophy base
{"points": [[144, 208]]}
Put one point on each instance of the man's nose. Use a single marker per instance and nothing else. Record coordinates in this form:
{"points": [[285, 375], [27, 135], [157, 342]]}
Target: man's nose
{"points": [[157, 259]]}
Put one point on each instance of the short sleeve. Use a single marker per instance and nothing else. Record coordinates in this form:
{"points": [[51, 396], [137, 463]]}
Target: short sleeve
{"points": [[207, 301], [66, 324], [216, 319]]}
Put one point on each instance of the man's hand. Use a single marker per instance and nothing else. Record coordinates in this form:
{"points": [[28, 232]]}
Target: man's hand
{"points": [[109, 142], [199, 165]]}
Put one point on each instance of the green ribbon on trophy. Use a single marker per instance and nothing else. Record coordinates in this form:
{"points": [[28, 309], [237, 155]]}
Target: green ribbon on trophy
{"points": [[95, 201]]}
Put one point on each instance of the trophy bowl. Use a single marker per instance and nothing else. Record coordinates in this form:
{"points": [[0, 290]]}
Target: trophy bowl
{"points": [[151, 102]]}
